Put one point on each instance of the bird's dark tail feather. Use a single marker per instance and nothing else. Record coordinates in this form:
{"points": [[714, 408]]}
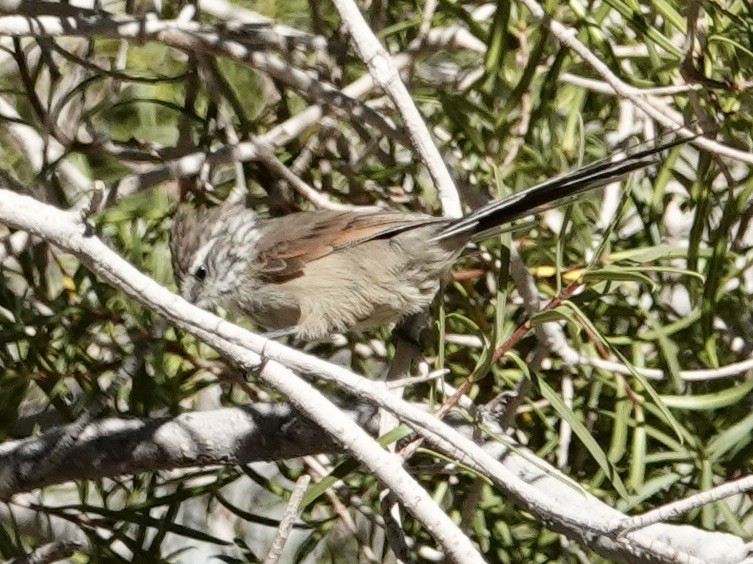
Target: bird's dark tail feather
{"points": [[488, 219]]}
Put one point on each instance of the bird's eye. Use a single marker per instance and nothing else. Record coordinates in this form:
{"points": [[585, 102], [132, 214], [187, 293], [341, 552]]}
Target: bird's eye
{"points": [[201, 273]]}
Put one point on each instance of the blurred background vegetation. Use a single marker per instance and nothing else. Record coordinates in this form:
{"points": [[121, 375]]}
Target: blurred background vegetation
{"points": [[664, 262]]}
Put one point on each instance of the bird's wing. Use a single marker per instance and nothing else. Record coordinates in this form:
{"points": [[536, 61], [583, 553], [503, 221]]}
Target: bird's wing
{"points": [[290, 242]]}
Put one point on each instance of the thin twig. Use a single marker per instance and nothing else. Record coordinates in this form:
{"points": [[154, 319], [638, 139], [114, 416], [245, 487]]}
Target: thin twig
{"points": [[384, 71], [288, 520]]}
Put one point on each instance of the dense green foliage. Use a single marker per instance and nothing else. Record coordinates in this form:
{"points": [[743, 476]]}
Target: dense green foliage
{"points": [[663, 280]]}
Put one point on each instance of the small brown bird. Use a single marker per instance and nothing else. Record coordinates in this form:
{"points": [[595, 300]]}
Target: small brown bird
{"points": [[320, 272]]}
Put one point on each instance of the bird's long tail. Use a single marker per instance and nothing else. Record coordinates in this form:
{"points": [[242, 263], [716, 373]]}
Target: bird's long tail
{"points": [[488, 219]]}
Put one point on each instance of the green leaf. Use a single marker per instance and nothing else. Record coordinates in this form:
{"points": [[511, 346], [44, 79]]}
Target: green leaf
{"points": [[497, 33], [705, 402], [638, 451], [731, 439], [637, 21], [616, 274], [649, 254], [585, 437], [666, 414]]}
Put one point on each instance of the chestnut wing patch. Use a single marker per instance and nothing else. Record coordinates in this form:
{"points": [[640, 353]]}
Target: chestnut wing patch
{"points": [[288, 245]]}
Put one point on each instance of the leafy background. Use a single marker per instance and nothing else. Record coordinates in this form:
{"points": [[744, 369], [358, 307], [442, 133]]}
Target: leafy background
{"points": [[663, 275]]}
